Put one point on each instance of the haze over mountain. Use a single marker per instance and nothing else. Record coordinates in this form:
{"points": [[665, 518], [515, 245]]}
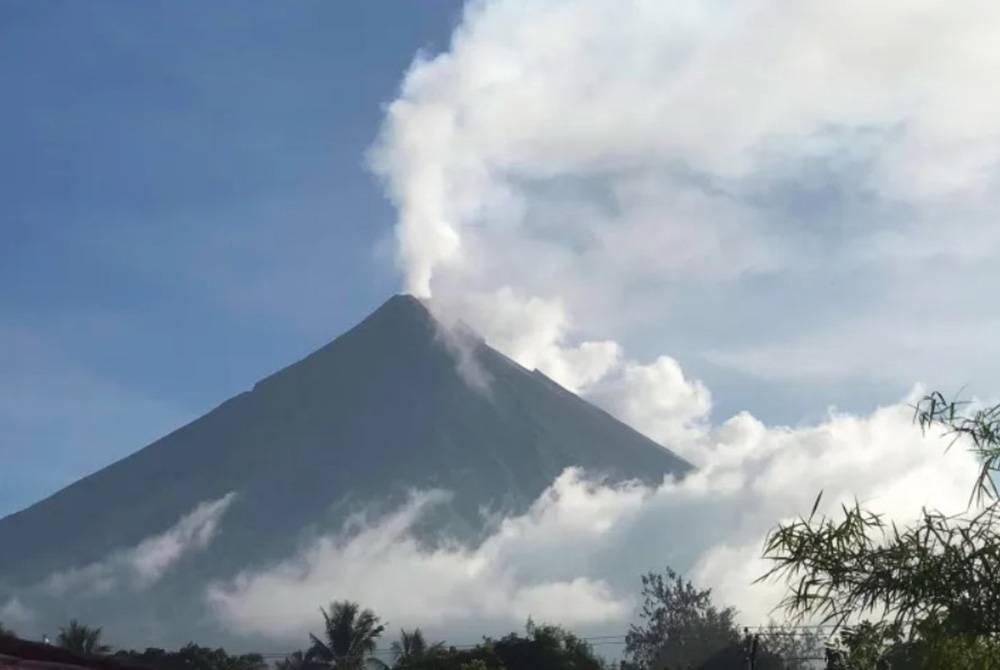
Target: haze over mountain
{"points": [[388, 408]]}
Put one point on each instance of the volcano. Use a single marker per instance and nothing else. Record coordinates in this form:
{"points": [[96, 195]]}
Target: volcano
{"points": [[384, 409]]}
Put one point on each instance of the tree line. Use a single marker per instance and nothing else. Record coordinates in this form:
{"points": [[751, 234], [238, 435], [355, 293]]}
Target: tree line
{"points": [[678, 627]]}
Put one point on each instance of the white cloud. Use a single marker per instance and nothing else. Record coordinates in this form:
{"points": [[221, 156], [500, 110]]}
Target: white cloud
{"points": [[657, 400], [533, 332], [152, 557], [386, 568], [575, 556], [143, 565], [736, 176], [15, 612]]}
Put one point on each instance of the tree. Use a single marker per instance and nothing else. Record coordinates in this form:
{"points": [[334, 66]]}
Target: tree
{"points": [[412, 647], [6, 632], [81, 639], [294, 661], [678, 627], [541, 647], [789, 648], [350, 635], [545, 647], [297, 660], [193, 657], [933, 583], [480, 657]]}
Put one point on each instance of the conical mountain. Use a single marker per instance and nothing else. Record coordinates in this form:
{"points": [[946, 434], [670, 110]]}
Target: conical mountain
{"points": [[382, 409]]}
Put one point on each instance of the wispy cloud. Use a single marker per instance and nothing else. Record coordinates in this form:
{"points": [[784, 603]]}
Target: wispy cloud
{"points": [[143, 565]]}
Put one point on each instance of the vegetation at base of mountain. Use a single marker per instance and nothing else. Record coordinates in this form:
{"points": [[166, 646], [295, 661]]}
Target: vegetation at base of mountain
{"points": [[348, 639], [934, 584], [193, 657]]}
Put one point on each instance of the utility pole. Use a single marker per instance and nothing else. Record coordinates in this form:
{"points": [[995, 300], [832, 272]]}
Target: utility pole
{"points": [[750, 646]]}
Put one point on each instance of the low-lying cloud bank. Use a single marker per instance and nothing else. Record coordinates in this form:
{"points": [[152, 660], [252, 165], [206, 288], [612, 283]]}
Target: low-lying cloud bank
{"points": [[140, 567], [575, 557], [385, 567]]}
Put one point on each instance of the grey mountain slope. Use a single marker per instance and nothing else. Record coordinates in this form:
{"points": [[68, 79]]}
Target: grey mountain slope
{"points": [[377, 411]]}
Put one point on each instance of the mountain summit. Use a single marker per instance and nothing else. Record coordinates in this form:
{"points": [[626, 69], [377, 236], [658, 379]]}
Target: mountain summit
{"points": [[381, 410]]}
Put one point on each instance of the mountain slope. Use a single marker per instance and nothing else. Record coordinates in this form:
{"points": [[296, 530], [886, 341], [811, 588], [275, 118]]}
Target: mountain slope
{"points": [[379, 410]]}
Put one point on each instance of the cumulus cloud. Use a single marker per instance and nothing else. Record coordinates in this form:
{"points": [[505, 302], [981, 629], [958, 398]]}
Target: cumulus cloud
{"points": [[143, 565], [575, 173], [385, 567], [575, 556], [659, 401]]}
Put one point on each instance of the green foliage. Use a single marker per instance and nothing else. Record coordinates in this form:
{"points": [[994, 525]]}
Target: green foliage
{"points": [[349, 637], [81, 639], [943, 566], [294, 661], [193, 657], [542, 647], [881, 645], [866, 646], [297, 661], [412, 647], [938, 649], [481, 657], [980, 430], [934, 584], [788, 648], [678, 625], [545, 648]]}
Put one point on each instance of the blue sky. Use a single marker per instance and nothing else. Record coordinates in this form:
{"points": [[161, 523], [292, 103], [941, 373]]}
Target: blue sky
{"points": [[184, 208]]}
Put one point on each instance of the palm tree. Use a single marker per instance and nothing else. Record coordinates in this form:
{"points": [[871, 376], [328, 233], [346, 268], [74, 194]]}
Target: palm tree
{"points": [[81, 639], [412, 647], [350, 634]]}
